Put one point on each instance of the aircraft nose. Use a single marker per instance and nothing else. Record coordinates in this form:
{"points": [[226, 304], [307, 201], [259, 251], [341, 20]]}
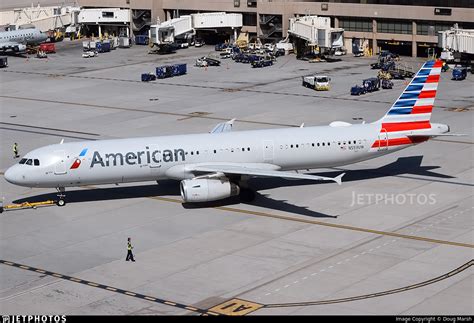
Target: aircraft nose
{"points": [[12, 175]]}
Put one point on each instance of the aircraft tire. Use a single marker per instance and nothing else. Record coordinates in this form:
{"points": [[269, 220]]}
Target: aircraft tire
{"points": [[61, 202]]}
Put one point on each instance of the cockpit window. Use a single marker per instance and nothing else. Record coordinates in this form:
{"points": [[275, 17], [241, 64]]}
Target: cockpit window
{"points": [[37, 162], [22, 161], [29, 161]]}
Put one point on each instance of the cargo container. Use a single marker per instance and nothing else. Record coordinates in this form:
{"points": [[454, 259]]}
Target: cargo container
{"points": [[102, 47], [179, 69], [141, 39], [48, 48], [124, 42], [170, 70], [106, 46], [163, 72]]}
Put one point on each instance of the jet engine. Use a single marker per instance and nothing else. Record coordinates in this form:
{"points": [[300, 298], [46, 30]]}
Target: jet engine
{"points": [[205, 190], [19, 48]]}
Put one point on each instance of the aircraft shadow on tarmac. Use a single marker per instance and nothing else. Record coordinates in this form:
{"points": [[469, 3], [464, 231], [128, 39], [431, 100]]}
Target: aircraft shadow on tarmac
{"points": [[403, 166]]}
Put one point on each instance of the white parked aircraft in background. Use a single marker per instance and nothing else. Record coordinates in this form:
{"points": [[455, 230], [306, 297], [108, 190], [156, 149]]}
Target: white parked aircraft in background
{"points": [[16, 40], [212, 166]]}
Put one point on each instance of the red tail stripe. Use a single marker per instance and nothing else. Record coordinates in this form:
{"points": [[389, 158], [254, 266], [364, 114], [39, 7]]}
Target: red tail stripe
{"points": [[427, 94], [438, 64], [398, 141], [402, 126], [432, 79], [422, 109]]}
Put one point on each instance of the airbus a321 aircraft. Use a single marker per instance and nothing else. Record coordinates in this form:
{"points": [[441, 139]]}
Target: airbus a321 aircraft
{"points": [[213, 166]]}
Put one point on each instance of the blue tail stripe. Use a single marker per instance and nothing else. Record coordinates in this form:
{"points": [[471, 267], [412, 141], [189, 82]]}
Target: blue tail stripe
{"points": [[403, 104], [412, 95], [421, 79], [424, 72], [429, 64], [400, 111], [414, 88]]}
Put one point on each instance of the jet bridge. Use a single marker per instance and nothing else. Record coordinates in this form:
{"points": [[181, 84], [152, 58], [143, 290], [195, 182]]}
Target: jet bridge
{"points": [[167, 31], [316, 31]]}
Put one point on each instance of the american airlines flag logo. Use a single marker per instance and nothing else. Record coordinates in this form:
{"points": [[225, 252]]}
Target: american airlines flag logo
{"points": [[78, 160]]}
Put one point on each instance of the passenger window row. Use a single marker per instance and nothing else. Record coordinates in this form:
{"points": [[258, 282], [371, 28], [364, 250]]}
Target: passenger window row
{"points": [[30, 162], [231, 150], [318, 144], [321, 144]]}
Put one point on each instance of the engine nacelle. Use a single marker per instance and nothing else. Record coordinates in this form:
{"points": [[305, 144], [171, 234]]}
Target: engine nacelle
{"points": [[19, 48], [205, 190]]}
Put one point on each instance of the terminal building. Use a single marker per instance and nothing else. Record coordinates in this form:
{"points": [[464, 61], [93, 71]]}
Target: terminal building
{"points": [[408, 27]]}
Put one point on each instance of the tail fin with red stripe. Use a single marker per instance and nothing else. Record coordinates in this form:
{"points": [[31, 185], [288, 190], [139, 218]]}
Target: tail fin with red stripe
{"points": [[412, 110]]}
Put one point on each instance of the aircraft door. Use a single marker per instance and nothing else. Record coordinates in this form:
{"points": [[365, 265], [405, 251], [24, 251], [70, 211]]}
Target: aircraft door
{"points": [[383, 140], [268, 151], [60, 166], [156, 158]]}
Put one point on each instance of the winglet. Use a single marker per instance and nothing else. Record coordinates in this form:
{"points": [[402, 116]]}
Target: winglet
{"points": [[338, 179], [223, 127], [62, 141]]}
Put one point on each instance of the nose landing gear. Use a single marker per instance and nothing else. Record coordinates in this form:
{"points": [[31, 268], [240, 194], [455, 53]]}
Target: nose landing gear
{"points": [[61, 196]]}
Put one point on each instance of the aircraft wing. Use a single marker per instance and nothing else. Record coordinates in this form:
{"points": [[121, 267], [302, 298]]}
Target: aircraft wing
{"points": [[259, 172]]}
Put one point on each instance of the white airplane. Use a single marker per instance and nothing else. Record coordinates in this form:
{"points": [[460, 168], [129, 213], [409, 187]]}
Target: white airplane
{"points": [[16, 40], [215, 165]]}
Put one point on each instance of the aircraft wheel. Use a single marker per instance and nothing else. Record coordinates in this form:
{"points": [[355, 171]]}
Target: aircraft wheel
{"points": [[61, 202]]}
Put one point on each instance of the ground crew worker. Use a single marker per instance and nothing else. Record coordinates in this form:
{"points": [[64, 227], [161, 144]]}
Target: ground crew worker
{"points": [[129, 250], [15, 150]]}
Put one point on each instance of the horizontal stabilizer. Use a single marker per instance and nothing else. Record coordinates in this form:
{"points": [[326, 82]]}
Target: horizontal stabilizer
{"points": [[439, 135]]}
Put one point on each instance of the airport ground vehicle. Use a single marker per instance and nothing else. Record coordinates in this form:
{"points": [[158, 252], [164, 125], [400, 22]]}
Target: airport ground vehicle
{"points": [[387, 84], [317, 82], [207, 61], [261, 61], [41, 54], [212, 62], [371, 84], [357, 90], [48, 48], [147, 77], [459, 73], [368, 85], [199, 42], [201, 62], [89, 53]]}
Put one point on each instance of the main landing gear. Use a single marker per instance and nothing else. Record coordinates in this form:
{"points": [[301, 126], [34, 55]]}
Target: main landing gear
{"points": [[61, 196]]}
